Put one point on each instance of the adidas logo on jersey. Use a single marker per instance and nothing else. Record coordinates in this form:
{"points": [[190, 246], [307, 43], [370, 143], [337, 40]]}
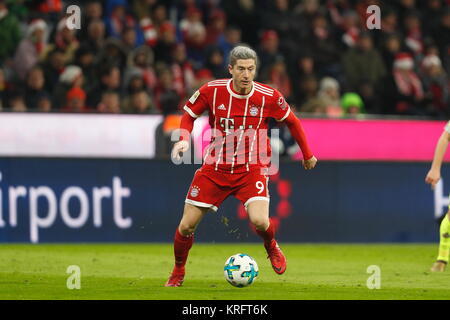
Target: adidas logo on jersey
{"points": [[221, 107]]}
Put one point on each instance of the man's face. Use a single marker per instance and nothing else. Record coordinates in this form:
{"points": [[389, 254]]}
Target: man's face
{"points": [[243, 73], [112, 80]]}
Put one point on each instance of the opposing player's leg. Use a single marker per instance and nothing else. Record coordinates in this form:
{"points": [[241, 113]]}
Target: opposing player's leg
{"points": [[444, 245], [258, 213], [183, 240]]}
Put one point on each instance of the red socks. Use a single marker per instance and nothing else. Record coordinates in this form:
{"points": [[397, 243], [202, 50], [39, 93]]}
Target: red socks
{"points": [[181, 246], [267, 235]]}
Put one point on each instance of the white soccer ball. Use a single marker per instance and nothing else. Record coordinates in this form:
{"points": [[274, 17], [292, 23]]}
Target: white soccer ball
{"points": [[240, 270]]}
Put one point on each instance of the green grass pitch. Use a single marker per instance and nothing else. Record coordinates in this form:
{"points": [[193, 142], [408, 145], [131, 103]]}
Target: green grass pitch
{"points": [[139, 271]]}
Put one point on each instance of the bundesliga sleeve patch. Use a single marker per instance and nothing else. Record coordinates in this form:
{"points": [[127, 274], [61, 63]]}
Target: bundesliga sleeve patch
{"points": [[194, 97], [281, 103]]}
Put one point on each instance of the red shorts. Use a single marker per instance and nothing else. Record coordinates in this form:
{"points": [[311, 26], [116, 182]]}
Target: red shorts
{"points": [[210, 188]]}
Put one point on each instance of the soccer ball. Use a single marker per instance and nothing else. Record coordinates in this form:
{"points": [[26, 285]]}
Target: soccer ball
{"points": [[240, 270]]}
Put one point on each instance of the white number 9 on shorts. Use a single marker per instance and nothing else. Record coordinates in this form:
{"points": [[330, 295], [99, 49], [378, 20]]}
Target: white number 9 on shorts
{"points": [[260, 186]]}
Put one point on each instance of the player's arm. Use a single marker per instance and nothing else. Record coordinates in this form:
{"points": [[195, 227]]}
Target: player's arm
{"points": [[282, 113], [193, 109], [295, 127], [434, 174]]}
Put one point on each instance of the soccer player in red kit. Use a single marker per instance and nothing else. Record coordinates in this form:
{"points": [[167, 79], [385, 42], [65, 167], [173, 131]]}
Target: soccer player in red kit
{"points": [[239, 110]]}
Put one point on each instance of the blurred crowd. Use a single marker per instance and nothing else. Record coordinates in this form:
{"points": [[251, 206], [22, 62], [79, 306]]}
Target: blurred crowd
{"points": [[149, 56]]}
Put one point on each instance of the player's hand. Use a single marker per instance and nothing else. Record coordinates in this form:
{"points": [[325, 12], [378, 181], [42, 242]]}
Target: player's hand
{"points": [[433, 177], [181, 146], [310, 163]]}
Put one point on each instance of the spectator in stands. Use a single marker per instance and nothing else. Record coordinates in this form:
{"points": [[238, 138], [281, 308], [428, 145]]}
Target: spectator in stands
{"points": [[216, 27], [215, 61], [113, 53], [389, 25], [92, 11], [245, 14], [85, 59], [281, 19], [10, 34], [302, 66], [278, 77], [65, 40], [363, 63], [308, 99], [203, 76], [30, 48], [118, 19], [391, 47], [16, 102], [441, 34], [166, 42], [134, 83], [49, 9], [53, 66], [109, 103], [75, 101], [431, 14], [34, 87], [329, 93], [373, 101], [268, 51], [151, 20], [414, 38], [129, 40], [194, 36], [3, 89], [142, 8], [436, 87], [95, 37], [141, 60], [305, 11], [403, 89], [44, 102], [183, 72], [139, 103], [321, 40], [110, 80], [348, 24], [166, 97], [232, 38], [352, 104], [71, 77]]}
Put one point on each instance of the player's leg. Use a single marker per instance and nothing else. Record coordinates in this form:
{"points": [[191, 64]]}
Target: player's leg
{"points": [[258, 213], [444, 245], [183, 240], [204, 194]]}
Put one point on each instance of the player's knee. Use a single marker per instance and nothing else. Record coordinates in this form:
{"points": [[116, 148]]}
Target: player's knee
{"points": [[260, 223], [186, 228]]}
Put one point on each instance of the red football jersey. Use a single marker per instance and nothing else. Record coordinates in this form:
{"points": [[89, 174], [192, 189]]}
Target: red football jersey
{"points": [[239, 137]]}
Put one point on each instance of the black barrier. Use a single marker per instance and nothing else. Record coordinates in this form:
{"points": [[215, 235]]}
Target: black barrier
{"points": [[104, 200]]}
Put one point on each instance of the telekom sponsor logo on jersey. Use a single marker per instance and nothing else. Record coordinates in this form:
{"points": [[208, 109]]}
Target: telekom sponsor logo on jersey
{"points": [[239, 147]]}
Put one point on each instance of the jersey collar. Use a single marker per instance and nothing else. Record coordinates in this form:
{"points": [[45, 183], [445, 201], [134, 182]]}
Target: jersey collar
{"points": [[240, 96]]}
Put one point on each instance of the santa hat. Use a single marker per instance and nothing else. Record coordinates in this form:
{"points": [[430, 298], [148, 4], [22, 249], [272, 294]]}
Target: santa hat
{"points": [[431, 60], [403, 61], [37, 24], [70, 73]]}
